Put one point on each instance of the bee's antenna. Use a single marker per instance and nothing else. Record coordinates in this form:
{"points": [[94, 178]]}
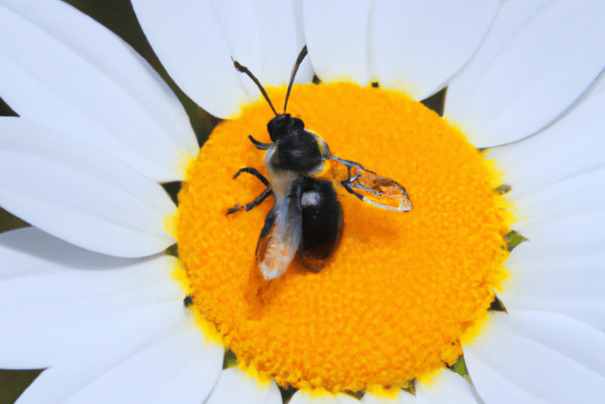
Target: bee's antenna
{"points": [[299, 60], [244, 69]]}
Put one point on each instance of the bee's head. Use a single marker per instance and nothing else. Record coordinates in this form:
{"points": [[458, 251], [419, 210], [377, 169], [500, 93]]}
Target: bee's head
{"points": [[283, 125], [297, 148]]}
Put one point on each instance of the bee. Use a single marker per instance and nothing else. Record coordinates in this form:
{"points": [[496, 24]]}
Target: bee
{"points": [[306, 220]]}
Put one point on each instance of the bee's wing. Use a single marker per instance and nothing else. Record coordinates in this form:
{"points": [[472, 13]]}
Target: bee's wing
{"points": [[281, 236]]}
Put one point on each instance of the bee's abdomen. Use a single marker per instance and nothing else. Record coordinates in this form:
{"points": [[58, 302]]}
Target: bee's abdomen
{"points": [[321, 223]]}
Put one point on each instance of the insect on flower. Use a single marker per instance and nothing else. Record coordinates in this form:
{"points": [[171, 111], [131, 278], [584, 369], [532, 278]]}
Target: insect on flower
{"points": [[306, 220]]}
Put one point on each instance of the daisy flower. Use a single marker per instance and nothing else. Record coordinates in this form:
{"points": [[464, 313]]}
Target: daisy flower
{"points": [[94, 293]]}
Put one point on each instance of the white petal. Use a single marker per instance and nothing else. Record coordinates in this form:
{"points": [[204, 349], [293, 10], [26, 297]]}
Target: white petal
{"points": [[572, 146], [305, 71], [65, 70], [345, 399], [560, 269], [529, 357], [338, 39], [79, 193], [186, 36], [560, 210], [238, 25], [177, 368], [57, 299], [598, 87], [262, 36], [580, 194], [234, 386], [417, 46], [195, 40], [304, 397], [446, 387], [403, 397], [538, 59]]}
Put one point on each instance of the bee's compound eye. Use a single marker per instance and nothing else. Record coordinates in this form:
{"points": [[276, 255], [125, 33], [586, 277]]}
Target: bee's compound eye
{"points": [[311, 198]]}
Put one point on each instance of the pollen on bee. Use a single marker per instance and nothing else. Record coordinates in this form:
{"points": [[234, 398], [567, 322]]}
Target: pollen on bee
{"points": [[311, 199]]}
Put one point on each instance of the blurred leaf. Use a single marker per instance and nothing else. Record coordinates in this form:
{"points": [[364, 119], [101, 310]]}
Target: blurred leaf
{"points": [[10, 222], [513, 239], [230, 359], [13, 382], [460, 367]]}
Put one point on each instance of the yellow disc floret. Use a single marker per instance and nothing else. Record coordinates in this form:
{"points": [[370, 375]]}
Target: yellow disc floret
{"points": [[401, 289]]}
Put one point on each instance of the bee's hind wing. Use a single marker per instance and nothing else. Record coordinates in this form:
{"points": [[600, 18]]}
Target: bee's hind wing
{"points": [[281, 236]]}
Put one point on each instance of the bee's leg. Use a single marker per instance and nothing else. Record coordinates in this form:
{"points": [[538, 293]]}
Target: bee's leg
{"points": [[252, 204], [253, 171], [349, 164], [261, 197], [346, 184], [260, 145]]}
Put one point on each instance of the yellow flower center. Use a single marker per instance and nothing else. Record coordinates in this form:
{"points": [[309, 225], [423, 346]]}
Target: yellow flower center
{"points": [[401, 289]]}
